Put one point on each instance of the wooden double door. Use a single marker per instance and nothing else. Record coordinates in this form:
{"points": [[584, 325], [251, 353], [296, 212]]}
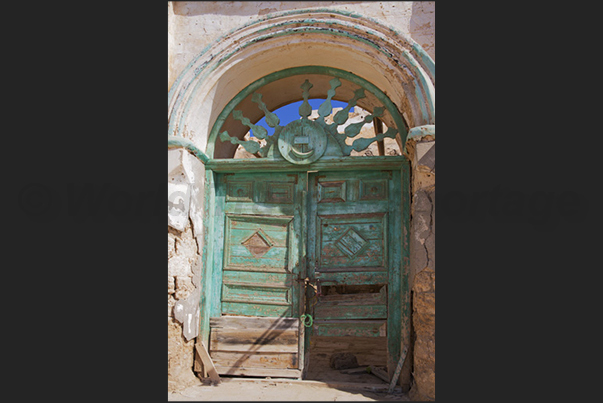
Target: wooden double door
{"points": [[326, 245]]}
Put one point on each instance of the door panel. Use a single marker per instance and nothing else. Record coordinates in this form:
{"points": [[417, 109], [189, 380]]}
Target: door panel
{"points": [[345, 237], [255, 346], [258, 331], [256, 246], [351, 242], [260, 260], [352, 253], [349, 228]]}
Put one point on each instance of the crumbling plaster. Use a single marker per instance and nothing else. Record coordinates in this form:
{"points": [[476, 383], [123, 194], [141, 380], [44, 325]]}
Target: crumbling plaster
{"points": [[193, 26], [384, 56], [183, 305], [185, 240], [422, 266]]}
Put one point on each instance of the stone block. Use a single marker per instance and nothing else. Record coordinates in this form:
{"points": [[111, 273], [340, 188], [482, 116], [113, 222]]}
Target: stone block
{"points": [[179, 266], [425, 156], [423, 180], [424, 349], [171, 303], [418, 257], [424, 303], [422, 240], [171, 285], [423, 323], [424, 376], [421, 202], [171, 245], [186, 244], [184, 286], [424, 281]]}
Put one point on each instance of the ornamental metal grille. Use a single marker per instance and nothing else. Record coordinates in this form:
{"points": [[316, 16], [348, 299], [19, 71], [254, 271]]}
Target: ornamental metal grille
{"points": [[309, 138]]}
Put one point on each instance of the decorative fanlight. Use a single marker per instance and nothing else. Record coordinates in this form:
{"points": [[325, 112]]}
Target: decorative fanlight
{"points": [[304, 140]]}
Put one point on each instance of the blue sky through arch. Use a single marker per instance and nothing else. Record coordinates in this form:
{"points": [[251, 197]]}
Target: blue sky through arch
{"points": [[289, 113]]}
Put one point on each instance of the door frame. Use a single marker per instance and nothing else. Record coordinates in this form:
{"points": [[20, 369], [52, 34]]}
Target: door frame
{"points": [[211, 278]]}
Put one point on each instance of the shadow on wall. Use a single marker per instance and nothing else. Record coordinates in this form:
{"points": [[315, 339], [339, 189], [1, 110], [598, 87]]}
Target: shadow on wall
{"points": [[248, 7], [422, 22]]}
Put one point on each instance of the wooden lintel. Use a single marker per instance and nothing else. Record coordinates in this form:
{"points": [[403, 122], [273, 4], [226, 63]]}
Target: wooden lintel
{"points": [[331, 164]]}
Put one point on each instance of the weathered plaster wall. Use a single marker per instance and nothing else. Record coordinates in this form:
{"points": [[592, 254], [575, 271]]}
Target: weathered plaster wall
{"points": [[195, 25], [182, 255], [422, 267], [422, 25], [185, 184]]}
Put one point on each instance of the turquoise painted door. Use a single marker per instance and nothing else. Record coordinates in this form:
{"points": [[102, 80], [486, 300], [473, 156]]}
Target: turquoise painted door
{"points": [[354, 255], [342, 230], [258, 245], [262, 222]]}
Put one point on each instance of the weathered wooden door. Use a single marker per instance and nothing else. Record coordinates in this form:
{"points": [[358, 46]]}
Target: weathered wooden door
{"points": [[345, 237], [258, 241], [354, 257]]}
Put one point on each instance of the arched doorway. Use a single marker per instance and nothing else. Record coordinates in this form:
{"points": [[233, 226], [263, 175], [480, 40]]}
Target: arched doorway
{"points": [[307, 245], [391, 62]]}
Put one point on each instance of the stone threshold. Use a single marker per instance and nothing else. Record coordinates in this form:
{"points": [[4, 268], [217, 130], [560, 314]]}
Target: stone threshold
{"points": [[335, 385]]}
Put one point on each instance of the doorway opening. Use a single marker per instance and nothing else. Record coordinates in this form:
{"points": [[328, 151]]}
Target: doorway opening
{"points": [[305, 270]]}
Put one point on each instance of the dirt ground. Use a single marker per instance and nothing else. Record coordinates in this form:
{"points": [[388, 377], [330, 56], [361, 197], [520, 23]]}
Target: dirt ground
{"points": [[240, 389]]}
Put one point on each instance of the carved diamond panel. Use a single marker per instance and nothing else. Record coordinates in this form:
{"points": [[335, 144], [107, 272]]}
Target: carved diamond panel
{"points": [[258, 244], [351, 243], [346, 241]]}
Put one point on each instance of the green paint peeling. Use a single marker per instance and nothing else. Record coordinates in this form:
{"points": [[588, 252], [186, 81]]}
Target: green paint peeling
{"points": [[179, 142], [419, 131]]}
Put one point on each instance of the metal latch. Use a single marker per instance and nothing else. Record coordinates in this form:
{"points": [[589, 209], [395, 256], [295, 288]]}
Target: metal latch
{"points": [[315, 285]]}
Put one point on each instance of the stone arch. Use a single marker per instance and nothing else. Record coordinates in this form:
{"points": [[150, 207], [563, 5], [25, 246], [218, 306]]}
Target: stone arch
{"points": [[391, 61]]}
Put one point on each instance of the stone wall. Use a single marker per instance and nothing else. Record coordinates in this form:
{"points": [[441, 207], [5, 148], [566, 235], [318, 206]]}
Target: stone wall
{"points": [[422, 267], [185, 184], [423, 319], [182, 256]]}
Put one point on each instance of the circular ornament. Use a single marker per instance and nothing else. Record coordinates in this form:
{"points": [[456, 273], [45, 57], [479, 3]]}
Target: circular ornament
{"points": [[302, 141]]}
